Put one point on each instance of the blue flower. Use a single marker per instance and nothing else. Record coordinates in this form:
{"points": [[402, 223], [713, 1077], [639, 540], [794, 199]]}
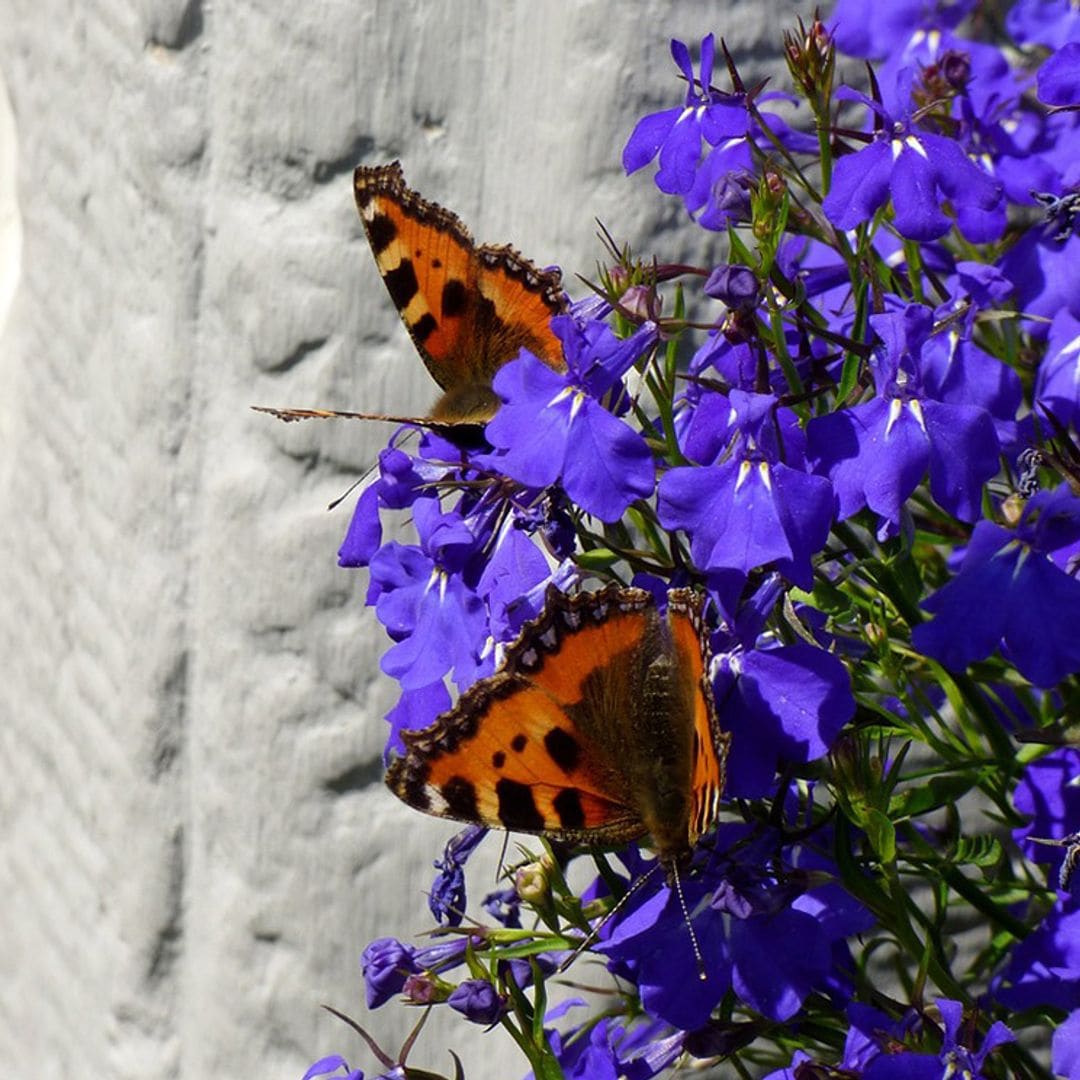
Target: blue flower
{"points": [[784, 704], [400, 482], [1057, 388], [331, 1064], [1048, 793], [447, 899], [956, 1058], [759, 505], [744, 903], [676, 134], [1059, 77], [1065, 1053], [1026, 603], [1054, 23], [386, 963], [911, 165], [874, 30], [477, 1000], [437, 621], [1046, 273], [1044, 969], [877, 453], [553, 427], [513, 580]]}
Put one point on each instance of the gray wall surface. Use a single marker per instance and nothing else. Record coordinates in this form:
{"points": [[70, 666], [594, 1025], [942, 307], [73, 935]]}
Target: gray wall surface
{"points": [[195, 843]]}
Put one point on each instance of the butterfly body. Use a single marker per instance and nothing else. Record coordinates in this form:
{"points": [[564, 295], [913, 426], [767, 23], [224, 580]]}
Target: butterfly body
{"points": [[468, 308], [598, 728]]}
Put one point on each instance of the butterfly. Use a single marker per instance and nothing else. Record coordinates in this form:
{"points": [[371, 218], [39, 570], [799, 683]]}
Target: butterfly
{"points": [[468, 309], [598, 728]]}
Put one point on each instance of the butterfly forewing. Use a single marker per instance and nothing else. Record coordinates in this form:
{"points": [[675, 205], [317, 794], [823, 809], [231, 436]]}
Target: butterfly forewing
{"points": [[533, 748]]}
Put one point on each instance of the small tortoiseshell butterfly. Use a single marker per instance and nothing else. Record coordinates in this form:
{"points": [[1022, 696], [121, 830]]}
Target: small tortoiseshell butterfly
{"points": [[599, 727], [468, 309]]}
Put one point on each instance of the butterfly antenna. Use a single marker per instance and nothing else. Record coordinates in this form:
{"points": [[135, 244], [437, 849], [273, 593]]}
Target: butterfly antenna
{"points": [[351, 488], [619, 904], [698, 958]]}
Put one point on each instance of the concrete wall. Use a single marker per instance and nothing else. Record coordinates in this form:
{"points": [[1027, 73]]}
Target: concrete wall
{"points": [[194, 840]]}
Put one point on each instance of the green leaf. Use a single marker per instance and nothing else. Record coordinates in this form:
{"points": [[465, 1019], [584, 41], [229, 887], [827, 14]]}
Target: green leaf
{"points": [[982, 851], [924, 796], [881, 834]]}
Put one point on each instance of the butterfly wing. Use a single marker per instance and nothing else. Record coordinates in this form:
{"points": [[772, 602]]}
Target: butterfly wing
{"points": [[709, 744], [464, 434], [468, 310], [546, 744]]}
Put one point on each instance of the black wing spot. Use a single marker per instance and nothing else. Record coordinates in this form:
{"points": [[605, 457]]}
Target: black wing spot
{"points": [[568, 806], [460, 796], [517, 808], [424, 327], [517, 743], [455, 298], [498, 759], [563, 749], [382, 232], [402, 283]]}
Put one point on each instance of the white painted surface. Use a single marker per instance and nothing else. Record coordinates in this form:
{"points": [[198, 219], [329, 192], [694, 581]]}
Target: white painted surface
{"points": [[195, 843]]}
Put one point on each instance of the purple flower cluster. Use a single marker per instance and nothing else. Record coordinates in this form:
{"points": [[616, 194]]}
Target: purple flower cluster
{"points": [[869, 466]]}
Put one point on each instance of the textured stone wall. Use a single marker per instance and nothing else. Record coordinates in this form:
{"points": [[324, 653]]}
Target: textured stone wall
{"points": [[195, 842]]}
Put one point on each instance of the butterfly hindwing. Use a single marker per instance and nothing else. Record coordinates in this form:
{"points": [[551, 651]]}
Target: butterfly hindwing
{"points": [[710, 744]]}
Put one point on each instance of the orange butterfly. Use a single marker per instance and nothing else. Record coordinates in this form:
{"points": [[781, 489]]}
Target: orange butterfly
{"points": [[599, 727], [468, 309]]}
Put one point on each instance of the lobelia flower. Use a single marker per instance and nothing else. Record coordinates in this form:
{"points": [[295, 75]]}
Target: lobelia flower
{"points": [[325, 1066], [911, 165], [553, 427], [762, 932], [877, 453], [957, 371], [386, 963], [1059, 77], [613, 1048], [782, 704], [1044, 969], [1054, 23], [870, 1031], [956, 1058], [1047, 275], [676, 134], [734, 286], [1027, 604], [872, 30], [447, 899], [720, 195], [436, 619], [478, 1001], [758, 505], [1057, 386], [1065, 1051], [1048, 792], [399, 484]]}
